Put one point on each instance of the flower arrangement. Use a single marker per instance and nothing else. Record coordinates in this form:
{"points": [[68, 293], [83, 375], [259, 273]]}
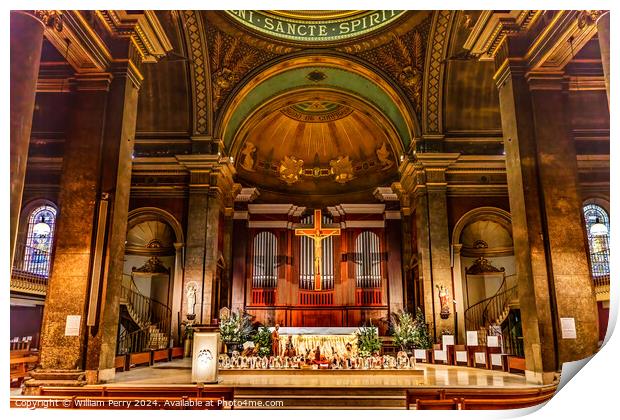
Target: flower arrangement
{"points": [[405, 332], [368, 342], [236, 328], [262, 339], [423, 336]]}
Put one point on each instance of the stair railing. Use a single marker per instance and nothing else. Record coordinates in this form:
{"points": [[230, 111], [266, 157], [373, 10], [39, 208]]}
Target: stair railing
{"points": [[150, 315], [486, 312]]}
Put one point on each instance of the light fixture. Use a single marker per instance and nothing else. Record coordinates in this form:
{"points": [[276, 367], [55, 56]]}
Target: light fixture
{"points": [[598, 228]]}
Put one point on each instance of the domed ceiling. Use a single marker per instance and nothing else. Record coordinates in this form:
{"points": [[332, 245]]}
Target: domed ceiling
{"points": [[316, 147]]}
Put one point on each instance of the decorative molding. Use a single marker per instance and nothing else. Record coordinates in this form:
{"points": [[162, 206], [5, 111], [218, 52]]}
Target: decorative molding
{"points": [[385, 194], [247, 195], [432, 104], [482, 266], [493, 27], [152, 265], [199, 70], [142, 28]]}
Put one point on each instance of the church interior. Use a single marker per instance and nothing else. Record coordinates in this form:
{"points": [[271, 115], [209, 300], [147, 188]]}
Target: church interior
{"points": [[403, 209]]}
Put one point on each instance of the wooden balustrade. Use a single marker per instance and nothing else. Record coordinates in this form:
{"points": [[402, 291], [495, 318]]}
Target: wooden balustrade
{"points": [[264, 297], [316, 297], [368, 297]]}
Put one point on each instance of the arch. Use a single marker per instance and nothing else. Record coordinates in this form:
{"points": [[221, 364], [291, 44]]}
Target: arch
{"points": [[144, 214], [599, 201], [598, 243], [502, 217], [335, 72], [37, 238]]}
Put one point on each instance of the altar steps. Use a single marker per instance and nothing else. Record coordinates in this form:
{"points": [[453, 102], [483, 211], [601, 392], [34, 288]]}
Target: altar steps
{"points": [[321, 398]]}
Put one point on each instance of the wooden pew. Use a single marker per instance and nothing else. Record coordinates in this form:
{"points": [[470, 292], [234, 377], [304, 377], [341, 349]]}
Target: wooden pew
{"points": [[515, 363], [413, 395], [20, 365], [503, 404], [448, 404]]}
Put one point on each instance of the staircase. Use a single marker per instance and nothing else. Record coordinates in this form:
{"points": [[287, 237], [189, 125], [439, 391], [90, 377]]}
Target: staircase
{"points": [[492, 311], [146, 322]]}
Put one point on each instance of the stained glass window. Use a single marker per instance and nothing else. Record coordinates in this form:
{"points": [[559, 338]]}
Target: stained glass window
{"points": [[597, 226], [39, 240]]}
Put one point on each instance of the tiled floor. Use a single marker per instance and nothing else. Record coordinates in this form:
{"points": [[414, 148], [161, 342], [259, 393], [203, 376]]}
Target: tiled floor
{"points": [[179, 372]]}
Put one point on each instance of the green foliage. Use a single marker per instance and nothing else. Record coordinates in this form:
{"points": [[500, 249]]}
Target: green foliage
{"points": [[423, 336], [188, 331], [236, 328], [368, 342], [262, 339], [405, 333]]}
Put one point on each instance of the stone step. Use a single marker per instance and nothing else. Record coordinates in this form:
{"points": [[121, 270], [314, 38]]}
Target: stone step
{"points": [[57, 374]]}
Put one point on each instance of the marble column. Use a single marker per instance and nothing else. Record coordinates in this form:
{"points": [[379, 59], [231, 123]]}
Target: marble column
{"points": [[526, 204], [435, 165], [393, 233], [602, 26], [459, 293], [177, 291], [117, 150], [210, 187], [565, 237], [239, 258], [78, 200], [26, 42]]}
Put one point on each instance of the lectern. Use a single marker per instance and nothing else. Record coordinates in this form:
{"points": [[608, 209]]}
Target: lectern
{"points": [[205, 355]]}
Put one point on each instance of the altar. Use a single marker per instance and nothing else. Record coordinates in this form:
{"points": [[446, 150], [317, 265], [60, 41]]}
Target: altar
{"points": [[331, 341]]}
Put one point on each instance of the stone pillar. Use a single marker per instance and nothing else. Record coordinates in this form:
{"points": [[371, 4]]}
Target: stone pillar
{"points": [[393, 232], [565, 237], [26, 41], [78, 201], [527, 224], [239, 265], [459, 293], [602, 26], [177, 291], [210, 185]]}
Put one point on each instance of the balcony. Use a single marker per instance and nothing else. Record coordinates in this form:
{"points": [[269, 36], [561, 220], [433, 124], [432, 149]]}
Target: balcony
{"points": [[30, 271]]}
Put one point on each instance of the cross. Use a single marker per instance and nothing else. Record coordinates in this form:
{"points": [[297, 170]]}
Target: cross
{"points": [[317, 233]]}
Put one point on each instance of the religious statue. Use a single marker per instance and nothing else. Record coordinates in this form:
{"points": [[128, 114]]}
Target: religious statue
{"points": [[444, 296], [342, 169], [290, 168], [289, 347], [247, 159], [191, 299], [275, 341], [384, 157]]}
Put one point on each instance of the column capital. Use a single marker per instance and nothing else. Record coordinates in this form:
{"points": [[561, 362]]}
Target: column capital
{"points": [[92, 81]]}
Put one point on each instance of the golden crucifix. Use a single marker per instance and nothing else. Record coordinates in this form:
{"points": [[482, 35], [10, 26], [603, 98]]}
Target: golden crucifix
{"points": [[317, 233]]}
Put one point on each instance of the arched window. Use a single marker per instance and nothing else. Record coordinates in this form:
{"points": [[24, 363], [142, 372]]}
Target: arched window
{"points": [[367, 260], [597, 226], [39, 240], [264, 272], [306, 269]]}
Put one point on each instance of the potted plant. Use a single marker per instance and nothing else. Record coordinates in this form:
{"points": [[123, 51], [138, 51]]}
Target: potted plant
{"points": [[423, 337], [405, 332], [368, 342], [235, 329], [262, 340]]}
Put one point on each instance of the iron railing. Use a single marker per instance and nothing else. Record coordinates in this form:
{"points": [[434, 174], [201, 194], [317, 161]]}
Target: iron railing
{"points": [[30, 271]]}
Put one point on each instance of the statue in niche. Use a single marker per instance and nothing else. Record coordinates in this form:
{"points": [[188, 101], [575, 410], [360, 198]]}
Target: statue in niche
{"points": [[342, 168], [247, 156], [191, 298], [290, 169], [384, 157]]}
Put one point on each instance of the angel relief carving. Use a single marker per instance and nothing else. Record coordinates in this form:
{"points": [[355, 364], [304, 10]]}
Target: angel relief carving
{"points": [[229, 64], [247, 156], [342, 169], [290, 169], [384, 157], [407, 65]]}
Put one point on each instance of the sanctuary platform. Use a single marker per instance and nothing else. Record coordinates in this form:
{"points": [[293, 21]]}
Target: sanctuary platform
{"points": [[327, 389]]}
